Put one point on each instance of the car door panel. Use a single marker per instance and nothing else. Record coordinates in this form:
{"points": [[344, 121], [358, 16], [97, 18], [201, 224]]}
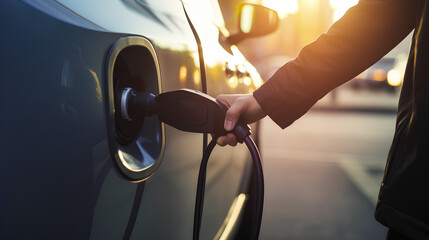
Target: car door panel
{"points": [[58, 176], [52, 116]]}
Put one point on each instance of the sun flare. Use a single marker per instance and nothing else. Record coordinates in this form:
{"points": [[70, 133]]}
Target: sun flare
{"points": [[341, 7], [283, 7]]}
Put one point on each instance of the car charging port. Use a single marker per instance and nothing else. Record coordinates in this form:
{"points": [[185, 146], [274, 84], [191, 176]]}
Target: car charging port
{"points": [[127, 127], [134, 106], [136, 144], [134, 68]]}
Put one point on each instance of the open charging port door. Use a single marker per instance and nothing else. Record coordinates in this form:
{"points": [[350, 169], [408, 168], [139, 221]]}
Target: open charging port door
{"points": [[137, 146]]}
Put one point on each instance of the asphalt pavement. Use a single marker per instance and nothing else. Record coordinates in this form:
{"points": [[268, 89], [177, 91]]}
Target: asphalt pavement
{"points": [[322, 173]]}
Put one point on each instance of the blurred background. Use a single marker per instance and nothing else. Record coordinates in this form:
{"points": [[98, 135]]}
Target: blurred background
{"points": [[323, 172]]}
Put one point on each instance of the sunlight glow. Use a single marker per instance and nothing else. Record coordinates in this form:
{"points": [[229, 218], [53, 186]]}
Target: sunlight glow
{"points": [[246, 20], [394, 78], [341, 7], [379, 75], [232, 82], [247, 81], [183, 74], [197, 78], [232, 217], [283, 7]]}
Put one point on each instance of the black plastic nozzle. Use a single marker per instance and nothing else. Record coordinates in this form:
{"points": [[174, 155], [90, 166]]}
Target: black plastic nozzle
{"points": [[142, 104], [186, 110], [193, 111]]}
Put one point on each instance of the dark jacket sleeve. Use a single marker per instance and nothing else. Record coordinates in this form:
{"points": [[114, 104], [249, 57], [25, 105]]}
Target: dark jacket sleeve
{"points": [[359, 39]]}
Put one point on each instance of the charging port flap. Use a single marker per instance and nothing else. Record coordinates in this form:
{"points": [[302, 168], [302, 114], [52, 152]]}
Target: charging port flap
{"points": [[136, 144]]}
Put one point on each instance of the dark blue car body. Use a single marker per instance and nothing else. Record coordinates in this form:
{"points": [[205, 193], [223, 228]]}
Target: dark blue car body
{"points": [[60, 156]]}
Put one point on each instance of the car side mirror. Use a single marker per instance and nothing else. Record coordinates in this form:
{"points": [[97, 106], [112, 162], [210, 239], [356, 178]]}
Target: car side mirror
{"points": [[254, 21]]}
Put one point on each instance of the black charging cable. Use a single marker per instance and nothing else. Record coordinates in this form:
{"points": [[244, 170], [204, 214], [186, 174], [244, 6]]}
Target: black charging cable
{"points": [[256, 158], [193, 111], [257, 218], [199, 200]]}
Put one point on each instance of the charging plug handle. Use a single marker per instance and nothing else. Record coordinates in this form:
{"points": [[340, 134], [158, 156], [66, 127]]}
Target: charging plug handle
{"points": [[186, 110], [193, 111]]}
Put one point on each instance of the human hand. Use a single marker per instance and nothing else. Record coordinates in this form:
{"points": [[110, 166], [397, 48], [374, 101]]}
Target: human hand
{"points": [[243, 107]]}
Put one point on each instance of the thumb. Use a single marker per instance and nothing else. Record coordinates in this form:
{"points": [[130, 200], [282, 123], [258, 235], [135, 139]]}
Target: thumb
{"points": [[233, 114]]}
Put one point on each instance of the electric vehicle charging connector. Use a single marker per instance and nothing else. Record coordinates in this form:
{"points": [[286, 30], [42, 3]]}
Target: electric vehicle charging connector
{"points": [[193, 111]]}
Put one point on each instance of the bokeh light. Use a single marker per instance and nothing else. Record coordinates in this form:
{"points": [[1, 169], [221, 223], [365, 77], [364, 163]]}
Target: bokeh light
{"points": [[394, 78], [283, 7]]}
